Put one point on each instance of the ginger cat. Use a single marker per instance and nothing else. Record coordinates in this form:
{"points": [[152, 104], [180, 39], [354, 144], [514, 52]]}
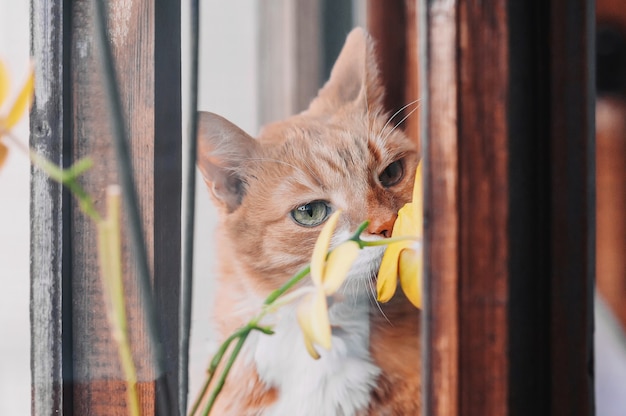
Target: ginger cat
{"points": [[274, 193]]}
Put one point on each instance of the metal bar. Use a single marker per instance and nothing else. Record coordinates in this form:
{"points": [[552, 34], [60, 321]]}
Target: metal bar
{"points": [[186, 283]]}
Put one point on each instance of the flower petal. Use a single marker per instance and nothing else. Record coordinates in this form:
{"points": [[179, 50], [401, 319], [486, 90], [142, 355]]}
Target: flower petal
{"points": [[318, 259], [21, 103], [303, 316], [418, 199], [4, 151], [387, 280], [338, 265], [410, 265], [407, 223], [312, 315], [4, 82], [320, 323], [310, 348]]}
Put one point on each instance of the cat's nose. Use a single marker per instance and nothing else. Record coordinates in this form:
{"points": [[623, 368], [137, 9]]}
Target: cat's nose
{"points": [[382, 226]]}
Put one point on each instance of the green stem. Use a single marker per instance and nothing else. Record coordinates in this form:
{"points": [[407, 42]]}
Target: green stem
{"points": [[215, 362], [222, 379], [288, 285], [219, 355], [66, 177], [357, 234], [385, 241]]}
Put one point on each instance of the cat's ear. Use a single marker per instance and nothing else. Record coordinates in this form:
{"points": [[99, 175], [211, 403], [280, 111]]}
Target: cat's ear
{"points": [[353, 79], [223, 150]]}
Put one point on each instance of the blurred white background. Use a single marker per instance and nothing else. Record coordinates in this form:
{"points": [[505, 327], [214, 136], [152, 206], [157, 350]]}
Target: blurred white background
{"points": [[228, 86], [14, 227]]}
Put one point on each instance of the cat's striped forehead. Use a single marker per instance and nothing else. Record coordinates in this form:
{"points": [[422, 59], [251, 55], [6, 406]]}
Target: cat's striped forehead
{"points": [[329, 155]]}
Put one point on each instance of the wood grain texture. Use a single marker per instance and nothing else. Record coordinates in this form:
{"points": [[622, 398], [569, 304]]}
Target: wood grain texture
{"points": [[50, 357], [483, 207], [441, 218], [508, 212], [131, 31], [508, 219]]}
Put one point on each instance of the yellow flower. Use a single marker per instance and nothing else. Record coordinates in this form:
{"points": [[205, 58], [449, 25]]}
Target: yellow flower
{"points": [[15, 112], [328, 274], [403, 259]]}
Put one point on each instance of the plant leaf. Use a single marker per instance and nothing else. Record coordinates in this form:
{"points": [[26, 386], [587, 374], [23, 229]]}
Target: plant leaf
{"points": [[21, 103]]}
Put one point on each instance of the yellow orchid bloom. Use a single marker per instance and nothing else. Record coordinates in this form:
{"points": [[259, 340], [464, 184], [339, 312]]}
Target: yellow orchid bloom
{"points": [[328, 274], [403, 259], [15, 112]]}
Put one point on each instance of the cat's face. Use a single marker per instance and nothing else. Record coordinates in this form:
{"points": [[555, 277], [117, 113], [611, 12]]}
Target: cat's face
{"points": [[276, 192]]}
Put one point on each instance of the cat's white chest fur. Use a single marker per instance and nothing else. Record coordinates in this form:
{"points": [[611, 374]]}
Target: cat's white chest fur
{"points": [[338, 383]]}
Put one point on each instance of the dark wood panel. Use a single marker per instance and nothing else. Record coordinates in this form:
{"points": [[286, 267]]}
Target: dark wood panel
{"points": [[483, 207], [572, 165], [529, 209], [441, 221], [508, 208], [96, 359]]}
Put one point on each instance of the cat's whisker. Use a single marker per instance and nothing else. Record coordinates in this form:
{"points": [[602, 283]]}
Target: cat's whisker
{"points": [[372, 291], [354, 293], [401, 121], [398, 112]]}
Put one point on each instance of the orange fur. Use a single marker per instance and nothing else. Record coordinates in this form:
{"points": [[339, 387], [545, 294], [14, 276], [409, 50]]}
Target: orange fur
{"points": [[335, 151]]}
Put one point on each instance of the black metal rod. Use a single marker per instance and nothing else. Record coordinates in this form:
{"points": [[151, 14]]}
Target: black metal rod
{"points": [[189, 182]]}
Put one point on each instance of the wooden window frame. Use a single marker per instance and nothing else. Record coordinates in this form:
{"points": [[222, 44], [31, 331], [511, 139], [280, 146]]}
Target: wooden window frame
{"points": [[507, 135], [507, 132], [74, 362]]}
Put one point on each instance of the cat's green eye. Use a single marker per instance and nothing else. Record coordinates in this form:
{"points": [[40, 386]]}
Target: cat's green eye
{"points": [[392, 174], [311, 214]]}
